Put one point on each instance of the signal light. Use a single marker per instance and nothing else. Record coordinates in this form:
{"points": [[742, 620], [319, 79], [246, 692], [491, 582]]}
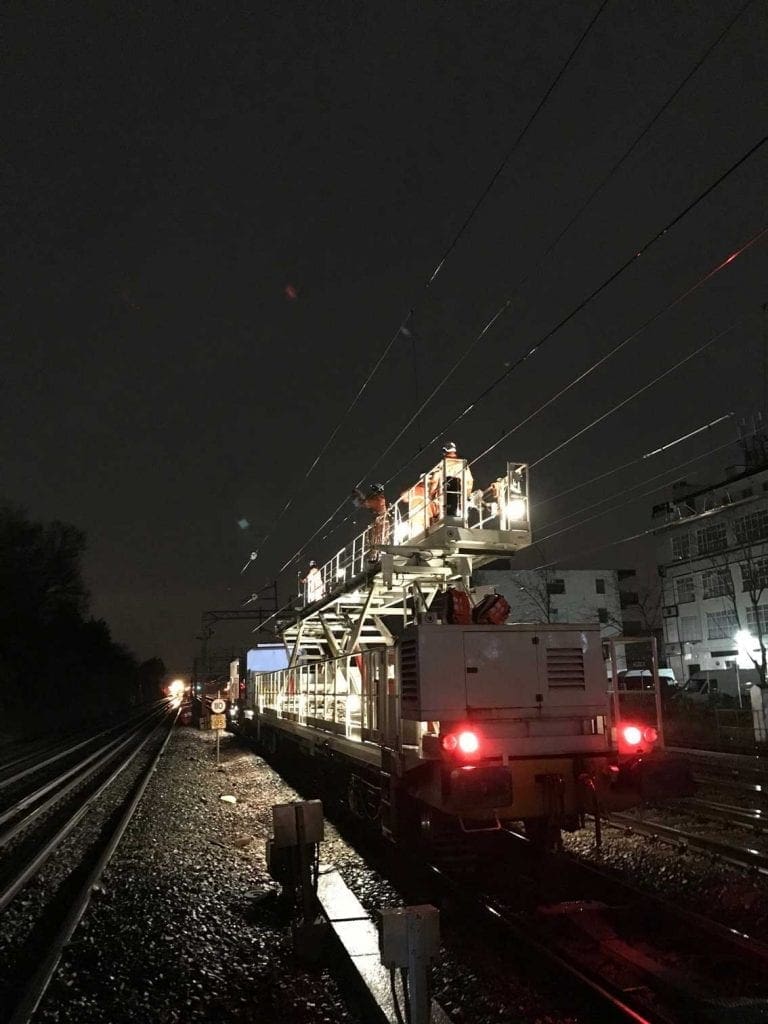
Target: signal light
{"points": [[450, 742], [650, 735]]}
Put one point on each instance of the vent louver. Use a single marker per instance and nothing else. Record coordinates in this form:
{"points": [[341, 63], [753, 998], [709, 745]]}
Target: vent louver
{"points": [[409, 670], [565, 668]]}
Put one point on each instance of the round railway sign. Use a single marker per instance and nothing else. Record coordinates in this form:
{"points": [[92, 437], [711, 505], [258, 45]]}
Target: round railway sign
{"points": [[218, 706]]}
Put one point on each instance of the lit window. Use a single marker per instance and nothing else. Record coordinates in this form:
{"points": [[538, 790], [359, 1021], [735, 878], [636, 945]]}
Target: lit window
{"points": [[761, 614]]}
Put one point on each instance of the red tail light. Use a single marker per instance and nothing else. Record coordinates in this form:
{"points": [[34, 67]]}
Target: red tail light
{"points": [[633, 736], [468, 742], [650, 735], [464, 744]]}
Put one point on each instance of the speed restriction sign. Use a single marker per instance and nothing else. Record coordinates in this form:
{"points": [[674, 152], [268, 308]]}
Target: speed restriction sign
{"points": [[218, 706]]}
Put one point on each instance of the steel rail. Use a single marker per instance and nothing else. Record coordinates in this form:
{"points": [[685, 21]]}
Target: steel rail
{"points": [[746, 817], [619, 887], [723, 932], [521, 930], [741, 856], [104, 755], [13, 887], [33, 750], [740, 785], [4, 783], [35, 990]]}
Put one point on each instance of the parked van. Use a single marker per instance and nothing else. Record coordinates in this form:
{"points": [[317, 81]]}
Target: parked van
{"points": [[642, 679], [720, 681]]}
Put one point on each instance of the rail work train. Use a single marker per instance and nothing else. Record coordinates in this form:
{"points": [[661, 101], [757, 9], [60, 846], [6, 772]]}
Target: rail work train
{"points": [[437, 725]]}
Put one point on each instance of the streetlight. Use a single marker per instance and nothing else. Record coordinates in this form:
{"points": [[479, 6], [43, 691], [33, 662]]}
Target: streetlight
{"points": [[744, 643]]}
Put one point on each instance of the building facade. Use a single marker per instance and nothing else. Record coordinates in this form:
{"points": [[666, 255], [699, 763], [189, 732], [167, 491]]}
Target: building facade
{"points": [[565, 595], [712, 552]]}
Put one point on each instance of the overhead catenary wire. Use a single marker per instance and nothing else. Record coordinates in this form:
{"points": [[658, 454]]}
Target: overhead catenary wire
{"points": [[625, 490], [577, 380], [454, 241], [622, 344], [507, 303], [636, 536], [595, 292], [579, 307], [634, 462], [636, 394]]}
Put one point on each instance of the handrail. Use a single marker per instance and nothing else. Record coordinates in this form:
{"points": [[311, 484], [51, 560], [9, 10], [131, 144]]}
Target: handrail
{"points": [[442, 496]]}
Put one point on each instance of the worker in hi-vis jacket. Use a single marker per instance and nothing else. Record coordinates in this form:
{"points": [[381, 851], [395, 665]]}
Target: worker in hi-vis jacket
{"points": [[376, 504], [455, 469]]}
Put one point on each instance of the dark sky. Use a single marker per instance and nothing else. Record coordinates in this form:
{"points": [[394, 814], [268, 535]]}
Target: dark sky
{"points": [[170, 168]]}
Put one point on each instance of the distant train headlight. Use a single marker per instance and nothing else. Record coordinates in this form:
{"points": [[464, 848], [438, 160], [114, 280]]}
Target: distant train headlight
{"points": [[516, 510]]}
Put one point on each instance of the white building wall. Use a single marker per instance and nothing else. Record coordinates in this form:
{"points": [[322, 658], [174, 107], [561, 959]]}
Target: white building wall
{"points": [[700, 622], [576, 595]]}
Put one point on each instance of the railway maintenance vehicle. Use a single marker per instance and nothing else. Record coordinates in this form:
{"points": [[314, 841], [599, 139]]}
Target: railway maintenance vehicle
{"points": [[435, 723]]}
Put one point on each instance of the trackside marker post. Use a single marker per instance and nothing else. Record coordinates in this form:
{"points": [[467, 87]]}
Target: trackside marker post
{"points": [[218, 720]]}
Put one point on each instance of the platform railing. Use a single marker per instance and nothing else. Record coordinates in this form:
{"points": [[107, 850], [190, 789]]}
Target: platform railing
{"points": [[349, 695], [443, 495]]}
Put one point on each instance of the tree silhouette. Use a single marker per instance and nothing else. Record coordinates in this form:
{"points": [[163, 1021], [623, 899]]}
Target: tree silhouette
{"points": [[58, 666]]}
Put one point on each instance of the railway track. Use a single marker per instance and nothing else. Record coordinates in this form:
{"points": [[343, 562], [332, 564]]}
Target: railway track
{"points": [[40, 842], [30, 761], [730, 853], [741, 780], [641, 958]]}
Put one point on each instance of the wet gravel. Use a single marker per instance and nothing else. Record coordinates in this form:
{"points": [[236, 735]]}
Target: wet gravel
{"points": [[187, 927], [23, 916], [693, 879]]}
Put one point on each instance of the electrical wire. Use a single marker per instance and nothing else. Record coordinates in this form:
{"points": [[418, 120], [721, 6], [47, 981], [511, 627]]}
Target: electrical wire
{"points": [[633, 462], [403, 326], [622, 344], [635, 394], [591, 296], [633, 537], [591, 369], [581, 305], [625, 490], [519, 139], [542, 260]]}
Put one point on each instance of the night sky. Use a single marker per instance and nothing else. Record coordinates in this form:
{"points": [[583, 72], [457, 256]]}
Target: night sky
{"points": [[216, 216]]}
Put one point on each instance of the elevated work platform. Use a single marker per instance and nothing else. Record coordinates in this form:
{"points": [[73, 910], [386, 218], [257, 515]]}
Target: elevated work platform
{"points": [[435, 534]]}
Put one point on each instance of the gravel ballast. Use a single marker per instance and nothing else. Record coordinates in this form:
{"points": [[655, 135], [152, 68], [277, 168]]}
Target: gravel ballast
{"points": [[187, 926]]}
